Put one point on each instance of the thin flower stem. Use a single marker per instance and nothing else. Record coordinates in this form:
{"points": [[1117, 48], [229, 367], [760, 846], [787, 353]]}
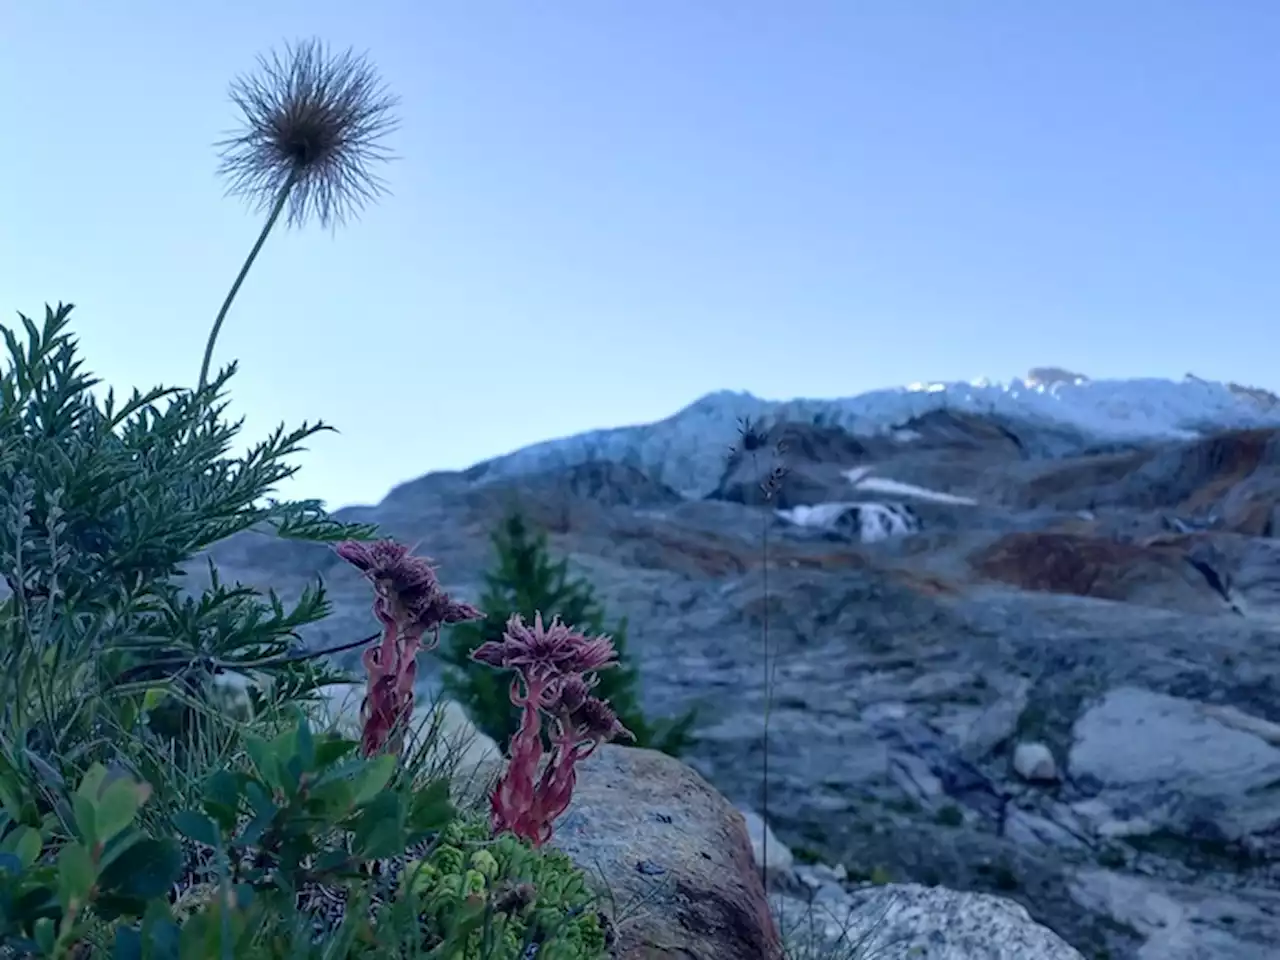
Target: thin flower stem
{"points": [[276, 210], [768, 686]]}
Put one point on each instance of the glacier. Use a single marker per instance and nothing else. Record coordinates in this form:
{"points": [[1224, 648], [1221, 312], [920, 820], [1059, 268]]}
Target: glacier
{"points": [[686, 451]]}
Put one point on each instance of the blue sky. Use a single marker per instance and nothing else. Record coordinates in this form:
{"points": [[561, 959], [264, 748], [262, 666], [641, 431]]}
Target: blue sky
{"points": [[605, 209]]}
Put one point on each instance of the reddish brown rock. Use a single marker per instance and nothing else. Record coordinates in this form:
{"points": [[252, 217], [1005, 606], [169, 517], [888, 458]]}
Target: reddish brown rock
{"points": [[1221, 461], [671, 855], [1158, 574], [1197, 477]]}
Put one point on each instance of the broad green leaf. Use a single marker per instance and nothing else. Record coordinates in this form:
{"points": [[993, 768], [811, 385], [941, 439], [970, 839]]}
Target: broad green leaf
{"points": [[259, 799], [257, 826], [330, 749], [196, 826], [331, 800], [153, 698], [91, 785], [128, 944], [199, 938], [45, 935], [117, 845], [46, 771], [331, 860], [10, 794], [25, 843], [129, 713], [344, 771], [222, 799], [149, 868], [86, 817], [159, 933], [202, 936], [118, 805], [375, 776], [291, 771], [76, 875], [379, 829], [264, 761], [431, 808]]}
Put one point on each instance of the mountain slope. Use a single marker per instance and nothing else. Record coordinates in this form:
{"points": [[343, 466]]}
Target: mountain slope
{"points": [[685, 450]]}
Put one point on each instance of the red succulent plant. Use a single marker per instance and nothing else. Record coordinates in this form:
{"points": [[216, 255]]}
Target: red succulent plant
{"points": [[555, 670], [409, 603]]}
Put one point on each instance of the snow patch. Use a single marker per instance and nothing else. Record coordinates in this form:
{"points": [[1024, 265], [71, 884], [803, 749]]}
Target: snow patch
{"points": [[859, 477], [885, 485], [869, 522]]}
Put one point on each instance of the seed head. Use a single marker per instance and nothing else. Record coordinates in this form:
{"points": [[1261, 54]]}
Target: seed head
{"points": [[313, 122]]}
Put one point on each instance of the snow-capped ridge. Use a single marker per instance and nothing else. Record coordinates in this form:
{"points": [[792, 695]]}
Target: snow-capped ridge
{"points": [[687, 450]]}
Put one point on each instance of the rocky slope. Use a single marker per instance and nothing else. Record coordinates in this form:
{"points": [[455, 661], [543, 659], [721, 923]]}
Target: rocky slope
{"points": [[1012, 651]]}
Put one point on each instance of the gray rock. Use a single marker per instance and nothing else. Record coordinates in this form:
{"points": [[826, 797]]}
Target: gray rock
{"points": [[1190, 769], [766, 849], [1034, 762], [1032, 830], [1185, 922], [663, 844], [997, 722], [913, 922]]}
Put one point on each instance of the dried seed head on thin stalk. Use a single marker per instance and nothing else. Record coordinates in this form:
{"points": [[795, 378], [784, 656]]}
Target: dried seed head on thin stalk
{"points": [[313, 122]]}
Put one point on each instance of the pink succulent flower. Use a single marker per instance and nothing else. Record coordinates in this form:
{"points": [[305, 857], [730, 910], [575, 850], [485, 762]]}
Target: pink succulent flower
{"points": [[555, 667], [409, 602]]}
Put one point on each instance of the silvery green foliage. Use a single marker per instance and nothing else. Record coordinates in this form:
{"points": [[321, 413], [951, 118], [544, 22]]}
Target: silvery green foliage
{"points": [[100, 504]]}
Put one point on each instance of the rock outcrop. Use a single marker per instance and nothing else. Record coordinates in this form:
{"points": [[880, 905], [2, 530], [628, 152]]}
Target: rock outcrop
{"points": [[671, 856], [1116, 604]]}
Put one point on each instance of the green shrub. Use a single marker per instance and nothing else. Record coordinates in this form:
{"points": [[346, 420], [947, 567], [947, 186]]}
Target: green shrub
{"points": [[101, 650], [305, 829], [525, 581]]}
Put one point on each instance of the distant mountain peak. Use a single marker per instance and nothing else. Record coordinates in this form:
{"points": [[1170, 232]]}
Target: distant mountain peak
{"points": [[686, 450], [1048, 376]]}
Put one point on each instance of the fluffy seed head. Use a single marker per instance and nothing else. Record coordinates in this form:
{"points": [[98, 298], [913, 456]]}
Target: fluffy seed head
{"points": [[314, 121]]}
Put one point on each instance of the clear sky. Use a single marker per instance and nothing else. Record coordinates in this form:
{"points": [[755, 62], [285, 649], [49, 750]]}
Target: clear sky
{"points": [[604, 209]]}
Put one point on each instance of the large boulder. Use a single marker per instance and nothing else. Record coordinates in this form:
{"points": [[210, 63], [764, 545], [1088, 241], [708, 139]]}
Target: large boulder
{"points": [[671, 856]]}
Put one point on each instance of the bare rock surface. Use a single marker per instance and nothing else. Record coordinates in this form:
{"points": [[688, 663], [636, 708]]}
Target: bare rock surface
{"points": [[671, 855], [915, 922], [1186, 767], [1117, 602]]}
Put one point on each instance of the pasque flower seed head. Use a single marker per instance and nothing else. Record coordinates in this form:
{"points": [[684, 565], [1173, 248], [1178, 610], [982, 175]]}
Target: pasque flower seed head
{"points": [[313, 123]]}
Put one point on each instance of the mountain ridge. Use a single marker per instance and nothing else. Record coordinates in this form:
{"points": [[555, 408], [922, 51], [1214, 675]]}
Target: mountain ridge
{"points": [[686, 449]]}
